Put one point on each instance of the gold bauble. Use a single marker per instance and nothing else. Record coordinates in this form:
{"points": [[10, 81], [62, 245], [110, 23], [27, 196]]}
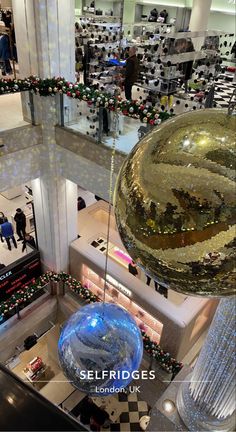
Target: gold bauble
{"points": [[175, 203]]}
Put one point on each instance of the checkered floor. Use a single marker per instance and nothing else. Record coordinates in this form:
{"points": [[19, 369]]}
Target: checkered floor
{"points": [[132, 410], [223, 92]]}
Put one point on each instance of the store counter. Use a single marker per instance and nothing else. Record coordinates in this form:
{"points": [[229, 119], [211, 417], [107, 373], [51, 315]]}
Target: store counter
{"points": [[12, 193], [176, 328]]}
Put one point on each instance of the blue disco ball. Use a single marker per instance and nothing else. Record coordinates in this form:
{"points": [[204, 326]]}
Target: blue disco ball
{"points": [[99, 348]]}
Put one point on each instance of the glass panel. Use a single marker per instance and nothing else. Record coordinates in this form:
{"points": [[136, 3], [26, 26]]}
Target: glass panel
{"points": [[17, 110]]}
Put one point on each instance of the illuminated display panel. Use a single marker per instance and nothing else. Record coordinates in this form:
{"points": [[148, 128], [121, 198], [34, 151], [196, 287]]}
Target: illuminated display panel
{"points": [[121, 295]]}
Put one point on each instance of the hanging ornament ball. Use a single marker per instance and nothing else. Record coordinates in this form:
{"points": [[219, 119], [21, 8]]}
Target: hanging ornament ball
{"points": [[99, 348], [175, 203]]}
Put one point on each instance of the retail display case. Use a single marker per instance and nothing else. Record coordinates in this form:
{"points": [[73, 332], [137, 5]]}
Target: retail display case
{"points": [[176, 326], [121, 295]]}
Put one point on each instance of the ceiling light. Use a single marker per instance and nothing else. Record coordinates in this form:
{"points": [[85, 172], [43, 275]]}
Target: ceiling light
{"points": [[168, 406]]}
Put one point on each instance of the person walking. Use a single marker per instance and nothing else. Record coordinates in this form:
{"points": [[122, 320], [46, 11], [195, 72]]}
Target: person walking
{"points": [[2, 217], [153, 15], [20, 220], [28, 240], [80, 203], [148, 281], [8, 233], [132, 267], [131, 72], [164, 14]]}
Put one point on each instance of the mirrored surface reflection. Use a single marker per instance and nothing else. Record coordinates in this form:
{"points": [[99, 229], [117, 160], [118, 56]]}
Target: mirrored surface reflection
{"points": [[175, 203]]}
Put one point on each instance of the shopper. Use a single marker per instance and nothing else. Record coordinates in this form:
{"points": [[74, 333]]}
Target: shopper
{"points": [[153, 15], [94, 425], [5, 55], [86, 62], [131, 72], [28, 240], [78, 59], [164, 14], [8, 233], [20, 220], [188, 66], [133, 268], [80, 203], [2, 217], [163, 291], [148, 281], [185, 46]]}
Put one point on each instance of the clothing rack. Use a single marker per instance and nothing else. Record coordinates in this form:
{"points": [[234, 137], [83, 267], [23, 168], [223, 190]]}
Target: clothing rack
{"points": [[8, 31]]}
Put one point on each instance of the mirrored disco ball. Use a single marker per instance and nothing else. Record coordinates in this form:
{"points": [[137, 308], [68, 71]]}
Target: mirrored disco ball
{"points": [[175, 203], [97, 339]]}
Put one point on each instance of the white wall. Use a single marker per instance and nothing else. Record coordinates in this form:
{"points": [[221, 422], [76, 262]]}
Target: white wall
{"points": [[104, 5], [222, 21], [19, 167], [85, 173], [55, 212]]}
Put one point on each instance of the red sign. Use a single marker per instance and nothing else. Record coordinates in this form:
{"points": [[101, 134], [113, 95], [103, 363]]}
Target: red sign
{"points": [[20, 274]]}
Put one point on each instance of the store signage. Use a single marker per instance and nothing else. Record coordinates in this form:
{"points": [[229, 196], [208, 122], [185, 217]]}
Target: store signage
{"points": [[119, 286], [19, 275], [4, 276]]}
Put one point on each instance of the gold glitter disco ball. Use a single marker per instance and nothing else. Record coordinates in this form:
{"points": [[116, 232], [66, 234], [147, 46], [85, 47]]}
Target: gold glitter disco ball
{"points": [[175, 203]]}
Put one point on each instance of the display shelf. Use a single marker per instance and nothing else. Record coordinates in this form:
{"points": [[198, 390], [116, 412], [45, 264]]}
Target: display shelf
{"points": [[100, 17], [34, 370], [149, 24], [144, 320], [196, 34], [101, 45], [114, 252], [159, 77]]}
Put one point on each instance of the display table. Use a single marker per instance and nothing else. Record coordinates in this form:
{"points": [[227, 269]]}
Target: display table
{"points": [[12, 193], [109, 404], [35, 370]]}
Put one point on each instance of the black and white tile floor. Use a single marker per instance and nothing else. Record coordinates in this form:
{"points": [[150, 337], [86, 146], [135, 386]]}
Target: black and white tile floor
{"points": [[132, 408], [132, 411], [223, 92]]}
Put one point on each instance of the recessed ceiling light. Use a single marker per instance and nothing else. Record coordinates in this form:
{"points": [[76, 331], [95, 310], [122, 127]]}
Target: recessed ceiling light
{"points": [[168, 406]]}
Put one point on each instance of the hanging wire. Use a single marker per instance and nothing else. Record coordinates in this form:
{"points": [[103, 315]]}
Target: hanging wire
{"points": [[113, 152]]}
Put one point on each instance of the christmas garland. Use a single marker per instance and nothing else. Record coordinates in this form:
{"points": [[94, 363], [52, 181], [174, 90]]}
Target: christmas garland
{"points": [[93, 96], [24, 296]]}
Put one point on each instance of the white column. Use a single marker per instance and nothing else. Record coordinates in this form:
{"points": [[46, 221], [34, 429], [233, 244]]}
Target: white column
{"points": [[129, 15], [208, 401], [55, 199], [45, 37], [199, 19], [55, 203], [200, 15]]}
